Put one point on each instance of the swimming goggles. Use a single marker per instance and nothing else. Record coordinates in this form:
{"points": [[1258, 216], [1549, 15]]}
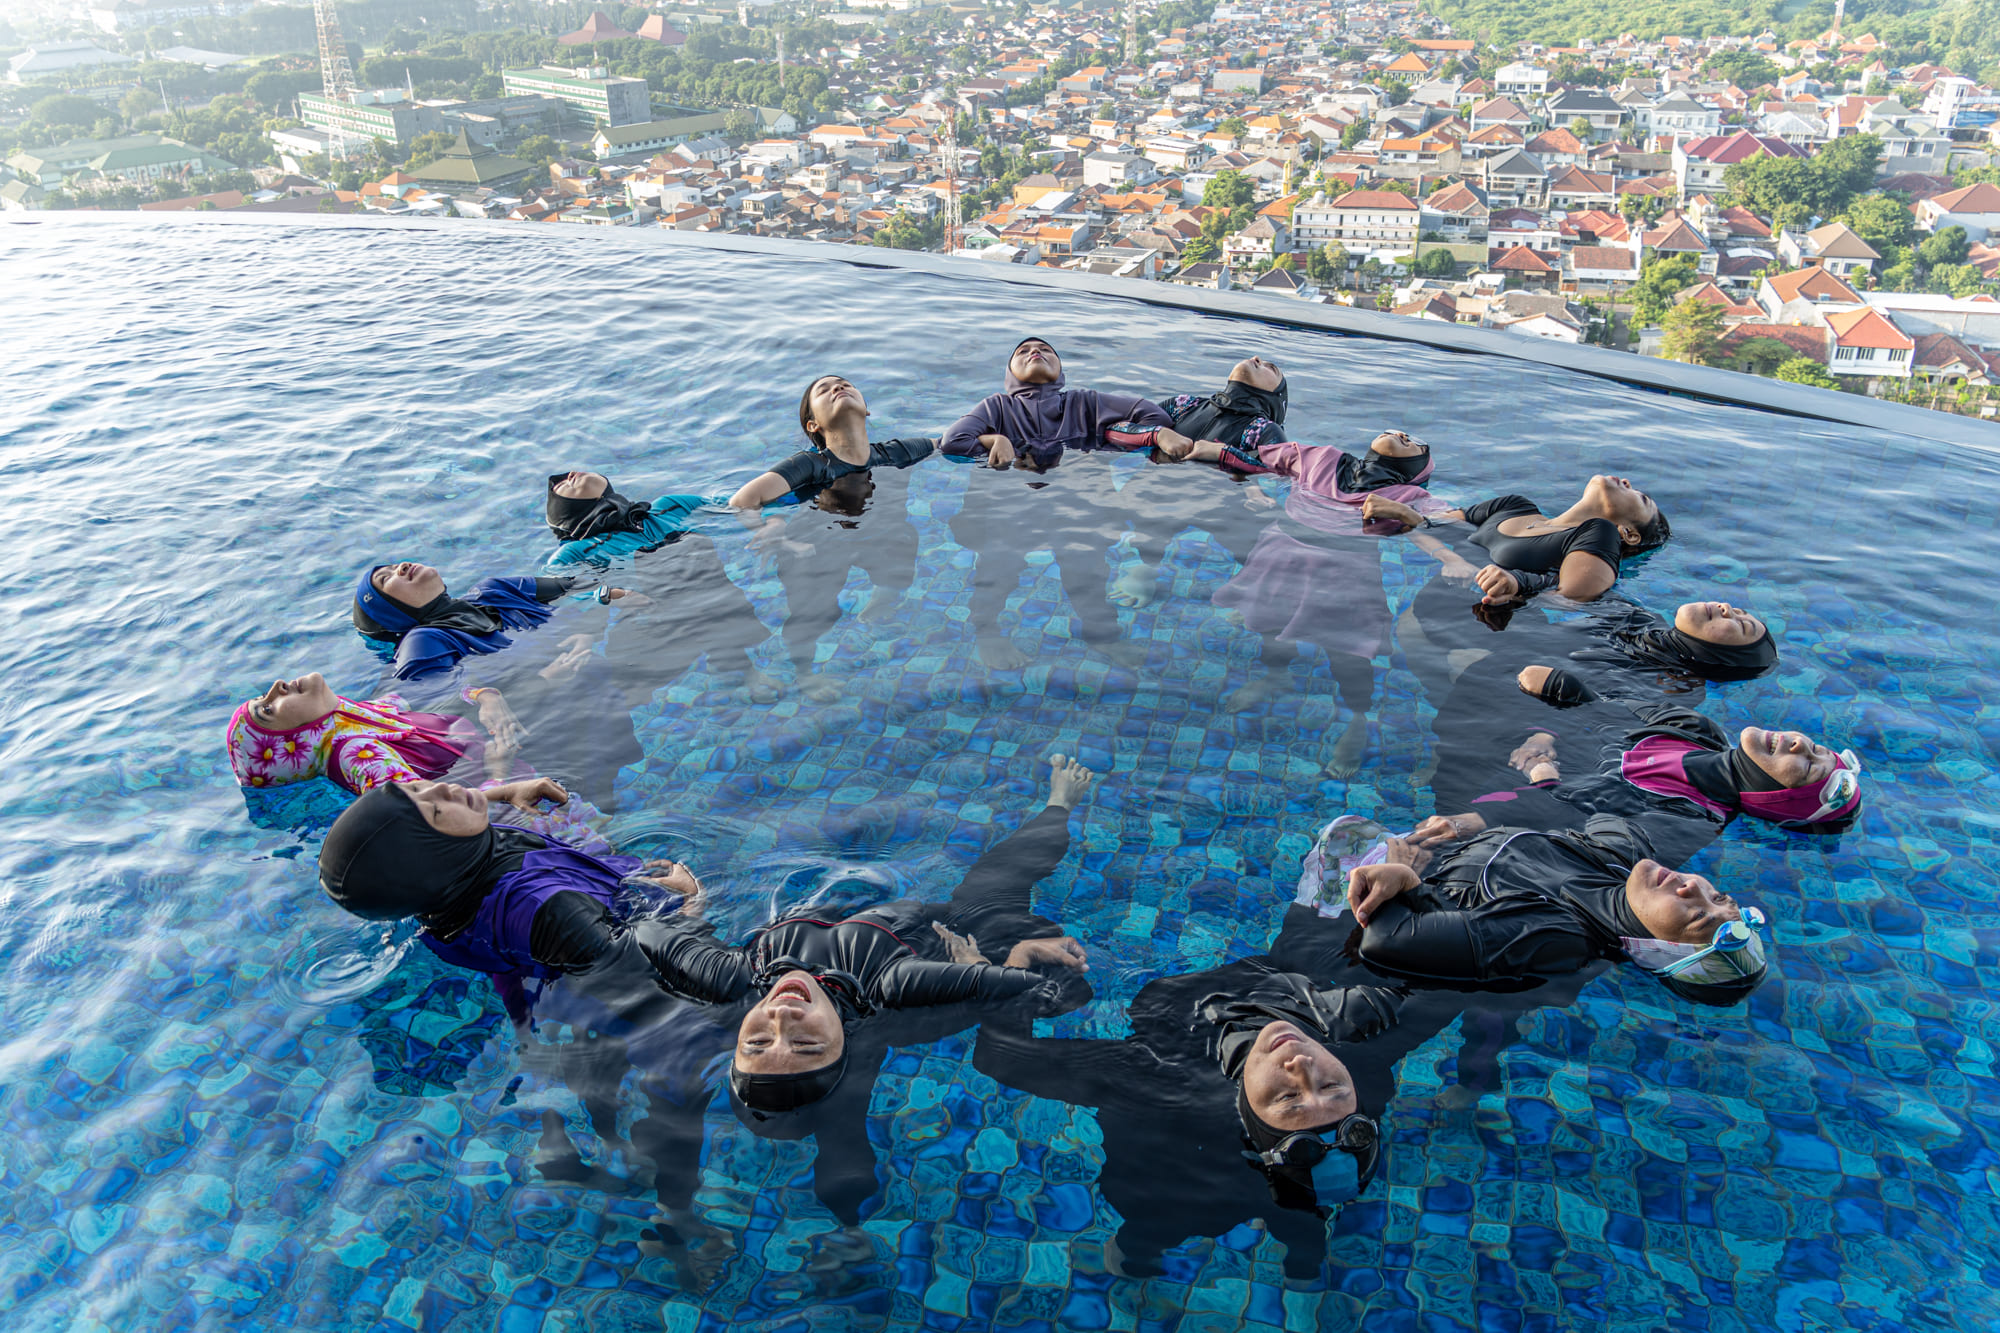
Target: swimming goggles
{"points": [[1336, 1166], [1840, 789], [1736, 951]]}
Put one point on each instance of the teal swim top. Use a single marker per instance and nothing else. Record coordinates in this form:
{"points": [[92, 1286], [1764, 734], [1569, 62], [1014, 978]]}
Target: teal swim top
{"points": [[668, 519]]}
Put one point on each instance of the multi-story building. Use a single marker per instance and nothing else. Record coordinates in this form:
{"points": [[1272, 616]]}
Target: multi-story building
{"points": [[136, 158], [130, 15], [379, 114], [589, 89], [1370, 219]]}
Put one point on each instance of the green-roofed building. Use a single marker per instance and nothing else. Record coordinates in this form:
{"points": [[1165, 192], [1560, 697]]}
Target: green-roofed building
{"points": [[590, 89], [137, 157], [470, 166], [655, 136]]}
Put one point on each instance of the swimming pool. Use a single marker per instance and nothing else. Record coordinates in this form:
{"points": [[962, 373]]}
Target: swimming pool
{"points": [[210, 429]]}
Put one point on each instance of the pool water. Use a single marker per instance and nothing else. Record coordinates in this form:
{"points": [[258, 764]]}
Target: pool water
{"points": [[209, 429]]}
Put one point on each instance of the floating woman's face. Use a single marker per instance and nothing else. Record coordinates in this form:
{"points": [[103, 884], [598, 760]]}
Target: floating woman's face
{"points": [[410, 583], [1621, 502], [794, 1028], [1035, 362], [290, 704], [1679, 908], [1719, 623], [831, 395], [583, 486], [455, 811], [1292, 1082], [1790, 757], [1397, 444], [1257, 373]]}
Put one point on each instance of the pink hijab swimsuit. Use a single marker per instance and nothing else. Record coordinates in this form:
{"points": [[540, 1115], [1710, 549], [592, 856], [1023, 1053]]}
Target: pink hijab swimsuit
{"points": [[360, 745], [1659, 764]]}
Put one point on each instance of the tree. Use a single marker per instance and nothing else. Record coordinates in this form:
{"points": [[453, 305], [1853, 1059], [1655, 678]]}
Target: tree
{"points": [[1746, 69], [1805, 370], [1327, 263], [1694, 333], [1234, 127], [1792, 190], [64, 111], [1200, 250], [1847, 166], [1654, 294], [1580, 127], [1957, 280], [1881, 220], [1353, 134], [1764, 354], [1944, 247], [274, 89], [1228, 189], [739, 126], [1439, 263], [138, 102]]}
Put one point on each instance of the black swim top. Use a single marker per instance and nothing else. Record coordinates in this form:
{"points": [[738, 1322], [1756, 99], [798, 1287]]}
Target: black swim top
{"points": [[810, 471], [1543, 553]]}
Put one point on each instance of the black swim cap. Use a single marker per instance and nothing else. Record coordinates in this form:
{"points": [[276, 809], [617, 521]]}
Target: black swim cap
{"points": [[382, 861], [767, 1095], [1356, 1138]]}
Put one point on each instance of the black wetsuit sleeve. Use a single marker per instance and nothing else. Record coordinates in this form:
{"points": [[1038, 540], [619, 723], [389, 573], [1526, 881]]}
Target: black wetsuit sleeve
{"points": [[1500, 506], [1420, 937], [802, 469], [910, 982], [1310, 944], [904, 453], [1531, 584], [689, 960], [547, 589], [1621, 837], [571, 931], [1536, 807], [1598, 537]]}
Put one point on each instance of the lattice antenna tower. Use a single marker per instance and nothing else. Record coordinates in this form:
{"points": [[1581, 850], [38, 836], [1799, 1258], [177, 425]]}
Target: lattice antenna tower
{"points": [[952, 219], [335, 73], [1131, 33], [781, 57]]}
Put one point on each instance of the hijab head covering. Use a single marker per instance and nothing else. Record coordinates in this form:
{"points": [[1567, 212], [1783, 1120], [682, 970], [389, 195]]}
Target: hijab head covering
{"points": [[1637, 637], [574, 520], [1370, 471], [1722, 972], [359, 745], [1681, 753], [1228, 415], [437, 634], [383, 861]]}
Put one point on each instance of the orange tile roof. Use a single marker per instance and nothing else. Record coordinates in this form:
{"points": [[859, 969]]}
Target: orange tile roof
{"points": [[1813, 284], [1867, 327]]}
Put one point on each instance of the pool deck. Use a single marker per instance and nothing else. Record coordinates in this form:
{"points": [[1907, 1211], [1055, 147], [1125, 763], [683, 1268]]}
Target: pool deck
{"points": [[1651, 373]]}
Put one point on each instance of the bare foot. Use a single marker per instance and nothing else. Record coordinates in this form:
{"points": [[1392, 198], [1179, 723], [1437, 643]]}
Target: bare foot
{"points": [[1069, 782], [1134, 587], [761, 688], [819, 688], [882, 604], [1256, 692], [998, 653], [1346, 760]]}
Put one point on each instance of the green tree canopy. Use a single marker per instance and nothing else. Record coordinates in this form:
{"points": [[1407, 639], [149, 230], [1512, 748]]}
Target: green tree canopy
{"points": [[1327, 263], [1805, 370], [1881, 220], [1438, 263], [1354, 134], [1765, 354], [1234, 126], [1792, 190], [1948, 246], [64, 111], [1661, 278], [1694, 333], [1957, 280], [1228, 189], [1746, 69]]}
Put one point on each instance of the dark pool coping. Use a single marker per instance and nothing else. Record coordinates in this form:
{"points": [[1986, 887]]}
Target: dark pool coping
{"points": [[1650, 373]]}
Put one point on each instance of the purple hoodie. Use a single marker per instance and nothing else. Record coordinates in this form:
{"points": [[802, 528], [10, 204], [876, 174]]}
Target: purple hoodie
{"points": [[1044, 419]]}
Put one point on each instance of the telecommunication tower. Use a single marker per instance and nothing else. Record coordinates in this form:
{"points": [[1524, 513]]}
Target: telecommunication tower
{"points": [[1131, 32], [335, 73], [952, 219]]}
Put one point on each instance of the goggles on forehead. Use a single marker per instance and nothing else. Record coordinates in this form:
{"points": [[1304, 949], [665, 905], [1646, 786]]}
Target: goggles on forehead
{"points": [[1841, 788], [1736, 951], [1333, 1160]]}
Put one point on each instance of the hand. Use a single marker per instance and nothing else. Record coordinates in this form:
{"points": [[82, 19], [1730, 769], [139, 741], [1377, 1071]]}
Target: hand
{"points": [[959, 948], [1457, 568], [576, 641], [1497, 584], [568, 663], [1545, 771], [527, 793], [1369, 887], [1173, 446], [1404, 853], [501, 725], [1539, 748], [632, 600], [999, 452], [1254, 498], [1532, 678], [1377, 508], [1061, 952], [1447, 828]]}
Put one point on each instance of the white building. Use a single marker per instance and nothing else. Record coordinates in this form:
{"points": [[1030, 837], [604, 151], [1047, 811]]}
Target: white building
{"points": [[1520, 80]]}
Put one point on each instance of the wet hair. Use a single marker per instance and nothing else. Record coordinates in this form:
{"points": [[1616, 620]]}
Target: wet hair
{"points": [[818, 438], [1652, 535]]}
